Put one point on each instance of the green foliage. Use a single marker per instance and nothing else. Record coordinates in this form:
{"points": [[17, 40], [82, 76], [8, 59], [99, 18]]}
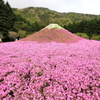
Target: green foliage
{"points": [[22, 34], [21, 26], [44, 16], [25, 25], [83, 35], [6, 19], [90, 27], [10, 17], [96, 37], [3, 30]]}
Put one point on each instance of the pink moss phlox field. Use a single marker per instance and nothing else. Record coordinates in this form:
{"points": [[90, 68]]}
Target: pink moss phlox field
{"points": [[56, 35], [50, 71]]}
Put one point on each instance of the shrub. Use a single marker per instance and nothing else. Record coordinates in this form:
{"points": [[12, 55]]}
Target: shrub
{"points": [[83, 35]]}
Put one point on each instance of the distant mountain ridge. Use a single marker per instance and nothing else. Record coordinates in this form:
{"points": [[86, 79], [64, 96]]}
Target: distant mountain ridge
{"points": [[46, 16]]}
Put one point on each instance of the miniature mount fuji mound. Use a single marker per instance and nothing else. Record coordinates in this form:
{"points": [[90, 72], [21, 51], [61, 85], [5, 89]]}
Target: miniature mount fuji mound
{"points": [[53, 33]]}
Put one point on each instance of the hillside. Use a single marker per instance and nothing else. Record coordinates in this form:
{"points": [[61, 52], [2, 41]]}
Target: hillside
{"points": [[46, 16], [53, 33]]}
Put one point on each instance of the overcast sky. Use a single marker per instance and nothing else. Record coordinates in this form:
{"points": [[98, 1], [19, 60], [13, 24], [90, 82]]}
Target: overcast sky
{"points": [[78, 6]]}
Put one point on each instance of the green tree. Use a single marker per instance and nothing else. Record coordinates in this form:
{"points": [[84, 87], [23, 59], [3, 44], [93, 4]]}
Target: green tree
{"points": [[37, 26], [10, 17], [3, 18], [6, 19]]}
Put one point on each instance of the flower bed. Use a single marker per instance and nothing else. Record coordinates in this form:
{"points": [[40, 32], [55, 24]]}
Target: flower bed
{"points": [[50, 71], [56, 35]]}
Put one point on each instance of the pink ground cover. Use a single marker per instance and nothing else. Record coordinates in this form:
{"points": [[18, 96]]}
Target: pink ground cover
{"points": [[56, 35], [50, 71]]}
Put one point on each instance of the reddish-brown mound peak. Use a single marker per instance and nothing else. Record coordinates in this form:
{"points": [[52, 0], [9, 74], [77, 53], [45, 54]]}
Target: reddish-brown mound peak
{"points": [[53, 33]]}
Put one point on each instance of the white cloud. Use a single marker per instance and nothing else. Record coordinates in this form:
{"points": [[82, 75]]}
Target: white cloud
{"points": [[80, 6], [91, 6]]}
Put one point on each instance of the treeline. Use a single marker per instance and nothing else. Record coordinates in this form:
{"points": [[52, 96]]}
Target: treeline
{"points": [[90, 27], [11, 22]]}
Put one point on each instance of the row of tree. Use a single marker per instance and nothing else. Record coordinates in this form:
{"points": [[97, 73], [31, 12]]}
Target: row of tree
{"points": [[90, 27], [9, 21]]}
